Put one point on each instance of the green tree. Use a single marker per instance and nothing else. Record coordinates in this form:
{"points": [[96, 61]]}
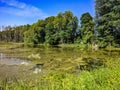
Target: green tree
{"points": [[50, 30], [61, 29], [87, 28], [29, 36], [59, 25], [70, 24], [36, 33], [107, 22]]}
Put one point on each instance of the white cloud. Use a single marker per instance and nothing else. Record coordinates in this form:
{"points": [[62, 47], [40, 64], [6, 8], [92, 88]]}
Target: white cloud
{"points": [[15, 7]]}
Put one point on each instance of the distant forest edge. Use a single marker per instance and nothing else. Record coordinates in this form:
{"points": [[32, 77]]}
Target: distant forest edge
{"points": [[103, 29]]}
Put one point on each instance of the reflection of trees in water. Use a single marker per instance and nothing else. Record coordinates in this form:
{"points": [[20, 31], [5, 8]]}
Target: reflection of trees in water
{"points": [[91, 63]]}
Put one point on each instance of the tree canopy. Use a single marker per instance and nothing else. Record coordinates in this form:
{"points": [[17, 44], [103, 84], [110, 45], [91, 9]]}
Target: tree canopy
{"points": [[64, 28], [107, 22], [87, 28]]}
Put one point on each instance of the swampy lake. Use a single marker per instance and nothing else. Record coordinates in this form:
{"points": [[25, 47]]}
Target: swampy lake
{"points": [[31, 63]]}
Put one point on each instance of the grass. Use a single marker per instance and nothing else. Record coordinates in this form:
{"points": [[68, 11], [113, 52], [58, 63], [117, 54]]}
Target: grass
{"points": [[99, 70], [107, 78], [82, 46]]}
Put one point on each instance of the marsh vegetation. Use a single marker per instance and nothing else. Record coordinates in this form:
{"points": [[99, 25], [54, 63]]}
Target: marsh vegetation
{"points": [[61, 68]]}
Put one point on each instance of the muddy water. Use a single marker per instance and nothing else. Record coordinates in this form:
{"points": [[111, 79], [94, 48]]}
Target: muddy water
{"points": [[14, 67], [4, 60], [59, 59]]}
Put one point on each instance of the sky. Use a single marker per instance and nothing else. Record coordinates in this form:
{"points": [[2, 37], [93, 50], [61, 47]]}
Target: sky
{"points": [[21, 12]]}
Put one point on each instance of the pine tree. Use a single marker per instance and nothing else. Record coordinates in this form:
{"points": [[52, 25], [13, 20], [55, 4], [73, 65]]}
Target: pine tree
{"points": [[107, 22]]}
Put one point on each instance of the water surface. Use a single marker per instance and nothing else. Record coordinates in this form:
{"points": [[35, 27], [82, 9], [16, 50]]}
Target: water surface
{"points": [[19, 61]]}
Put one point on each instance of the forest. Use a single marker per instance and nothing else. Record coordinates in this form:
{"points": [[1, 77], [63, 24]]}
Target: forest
{"points": [[66, 28]]}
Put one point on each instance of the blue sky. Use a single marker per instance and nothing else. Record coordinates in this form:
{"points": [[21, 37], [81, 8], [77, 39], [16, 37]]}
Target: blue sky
{"points": [[20, 12]]}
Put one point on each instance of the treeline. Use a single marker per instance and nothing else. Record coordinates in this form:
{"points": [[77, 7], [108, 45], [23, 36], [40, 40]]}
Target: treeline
{"points": [[60, 29], [53, 30], [13, 34], [103, 29]]}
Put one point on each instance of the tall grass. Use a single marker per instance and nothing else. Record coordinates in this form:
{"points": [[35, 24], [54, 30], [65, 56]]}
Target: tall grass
{"points": [[104, 78]]}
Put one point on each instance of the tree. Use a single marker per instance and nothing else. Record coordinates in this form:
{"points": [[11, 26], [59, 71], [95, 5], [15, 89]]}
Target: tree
{"points": [[29, 36], [107, 19], [68, 26], [36, 34], [50, 30], [87, 28], [74, 30], [61, 29]]}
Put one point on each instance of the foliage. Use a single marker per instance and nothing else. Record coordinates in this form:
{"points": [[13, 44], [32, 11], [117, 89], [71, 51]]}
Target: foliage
{"points": [[53, 30], [107, 19], [87, 28], [63, 28], [36, 33]]}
